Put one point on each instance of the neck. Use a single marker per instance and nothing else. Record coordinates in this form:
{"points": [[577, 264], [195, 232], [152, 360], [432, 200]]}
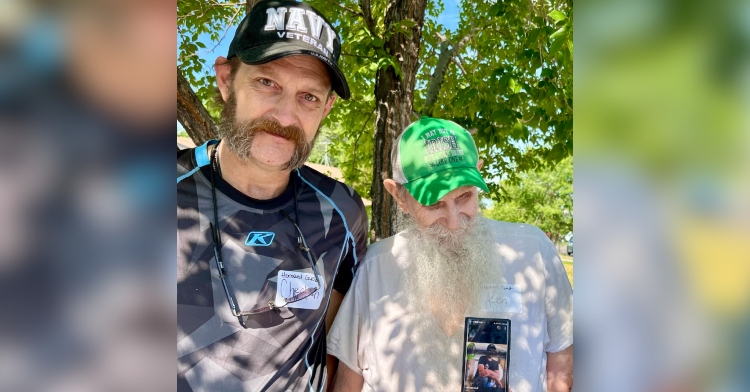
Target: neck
{"points": [[251, 178]]}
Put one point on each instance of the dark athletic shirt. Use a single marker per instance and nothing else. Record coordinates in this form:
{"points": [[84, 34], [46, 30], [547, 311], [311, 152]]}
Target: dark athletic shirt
{"points": [[277, 350]]}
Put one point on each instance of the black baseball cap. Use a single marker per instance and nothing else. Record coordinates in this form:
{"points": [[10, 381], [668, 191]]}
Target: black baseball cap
{"points": [[278, 28], [491, 348]]}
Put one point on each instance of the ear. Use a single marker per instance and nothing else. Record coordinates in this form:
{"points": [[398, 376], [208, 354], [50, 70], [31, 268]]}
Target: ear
{"points": [[479, 164], [223, 76], [329, 105], [392, 188]]}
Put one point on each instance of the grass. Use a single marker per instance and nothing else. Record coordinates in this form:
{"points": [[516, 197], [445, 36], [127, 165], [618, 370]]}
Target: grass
{"points": [[568, 264]]}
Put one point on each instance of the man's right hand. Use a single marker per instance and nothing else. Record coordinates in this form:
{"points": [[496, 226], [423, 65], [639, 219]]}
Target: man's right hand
{"points": [[347, 380]]}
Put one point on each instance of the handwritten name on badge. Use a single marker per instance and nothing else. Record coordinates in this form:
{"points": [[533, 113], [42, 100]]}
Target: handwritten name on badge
{"points": [[502, 298], [290, 286]]}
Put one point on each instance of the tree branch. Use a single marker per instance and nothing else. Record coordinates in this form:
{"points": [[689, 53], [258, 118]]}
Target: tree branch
{"points": [[456, 60], [433, 87], [231, 22], [356, 141], [447, 55], [465, 40], [367, 16], [345, 8]]}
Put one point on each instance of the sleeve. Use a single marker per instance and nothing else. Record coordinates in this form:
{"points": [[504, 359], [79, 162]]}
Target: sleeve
{"points": [[558, 300], [356, 246], [184, 162], [348, 334]]}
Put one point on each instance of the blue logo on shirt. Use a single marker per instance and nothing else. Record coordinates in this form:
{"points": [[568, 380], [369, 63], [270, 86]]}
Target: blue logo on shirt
{"points": [[259, 238]]}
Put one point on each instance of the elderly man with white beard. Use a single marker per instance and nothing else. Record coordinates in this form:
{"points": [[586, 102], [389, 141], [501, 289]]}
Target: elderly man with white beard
{"points": [[401, 326]]}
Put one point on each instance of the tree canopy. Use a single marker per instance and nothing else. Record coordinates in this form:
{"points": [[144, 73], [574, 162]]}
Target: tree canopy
{"points": [[505, 72], [543, 198]]}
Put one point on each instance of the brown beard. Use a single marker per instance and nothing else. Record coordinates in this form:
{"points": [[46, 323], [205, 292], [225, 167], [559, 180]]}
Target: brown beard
{"points": [[239, 135]]}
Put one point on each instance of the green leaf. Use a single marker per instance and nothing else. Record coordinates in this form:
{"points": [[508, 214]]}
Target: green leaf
{"points": [[557, 15], [387, 61], [500, 116], [556, 45], [558, 152], [559, 33], [504, 80], [498, 9], [408, 23], [534, 35], [514, 86]]}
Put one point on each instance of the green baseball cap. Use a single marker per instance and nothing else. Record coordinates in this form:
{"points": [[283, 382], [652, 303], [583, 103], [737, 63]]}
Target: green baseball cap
{"points": [[434, 157]]}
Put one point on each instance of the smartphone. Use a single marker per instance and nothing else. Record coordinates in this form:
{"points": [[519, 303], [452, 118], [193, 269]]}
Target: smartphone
{"points": [[486, 354]]}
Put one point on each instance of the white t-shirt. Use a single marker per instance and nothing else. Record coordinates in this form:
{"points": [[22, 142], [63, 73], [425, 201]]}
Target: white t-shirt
{"points": [[374, 334]]}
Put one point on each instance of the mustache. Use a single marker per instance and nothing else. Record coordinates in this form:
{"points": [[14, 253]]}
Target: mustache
{"points": [[271, 126], [451, 239], [240, 135]]}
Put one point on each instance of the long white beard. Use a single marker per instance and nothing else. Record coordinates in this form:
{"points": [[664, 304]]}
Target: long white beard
{"points": [[448, 269]]}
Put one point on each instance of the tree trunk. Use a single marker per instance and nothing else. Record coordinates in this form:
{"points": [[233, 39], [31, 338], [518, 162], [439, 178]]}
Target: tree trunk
{"points": [[249, 4], [394, 99], [192, 114]]}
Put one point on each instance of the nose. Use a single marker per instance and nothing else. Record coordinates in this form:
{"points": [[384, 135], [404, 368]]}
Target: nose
{"points": [[284, 110], [452, 217]]}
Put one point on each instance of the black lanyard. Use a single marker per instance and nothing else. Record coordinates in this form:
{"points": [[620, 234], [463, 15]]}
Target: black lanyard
{"points": [[216, 236]]}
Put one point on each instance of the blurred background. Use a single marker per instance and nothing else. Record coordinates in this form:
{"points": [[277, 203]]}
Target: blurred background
{"points": [[662, 195], [87, 116]]}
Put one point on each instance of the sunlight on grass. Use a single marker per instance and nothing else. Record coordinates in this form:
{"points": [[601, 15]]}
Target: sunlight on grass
{"points": [[569, 269]]}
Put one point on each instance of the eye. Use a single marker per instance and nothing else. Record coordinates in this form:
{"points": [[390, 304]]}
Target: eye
{"points": [[310, 98], [434, 206], [265, 82], [465, 196]]}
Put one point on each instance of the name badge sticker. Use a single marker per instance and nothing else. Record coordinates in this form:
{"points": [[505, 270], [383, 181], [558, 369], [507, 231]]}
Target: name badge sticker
{"points": [[502, 298], [290, 286]]}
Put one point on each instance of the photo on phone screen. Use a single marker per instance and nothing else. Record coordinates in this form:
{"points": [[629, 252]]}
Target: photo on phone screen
{"points": [[486, 354]]}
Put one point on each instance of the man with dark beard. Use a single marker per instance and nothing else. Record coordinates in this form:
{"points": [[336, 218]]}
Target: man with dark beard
{"points": [[266, 247], [401, 326]]}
